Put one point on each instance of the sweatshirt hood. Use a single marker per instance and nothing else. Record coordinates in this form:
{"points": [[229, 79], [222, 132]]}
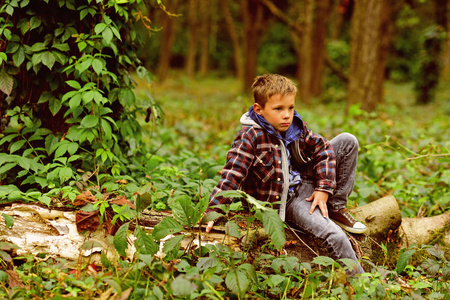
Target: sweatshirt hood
{"points": [[294, 131]]}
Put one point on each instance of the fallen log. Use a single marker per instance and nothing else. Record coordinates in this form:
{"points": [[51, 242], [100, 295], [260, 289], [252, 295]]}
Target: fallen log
{"points": [[381, 216], [425, 230], [53, 231]]}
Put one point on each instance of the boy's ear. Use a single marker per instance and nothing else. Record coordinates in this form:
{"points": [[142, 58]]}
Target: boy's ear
{"points": [[257, 108]]}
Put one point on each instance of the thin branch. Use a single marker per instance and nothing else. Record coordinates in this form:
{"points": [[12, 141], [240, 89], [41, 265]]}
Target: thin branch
{"points": [[293, 231], [427, 155], [281, 16]]}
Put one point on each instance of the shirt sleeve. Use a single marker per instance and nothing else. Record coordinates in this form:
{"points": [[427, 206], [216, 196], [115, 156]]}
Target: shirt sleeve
{"points": [[239, 160], [323, 157]]}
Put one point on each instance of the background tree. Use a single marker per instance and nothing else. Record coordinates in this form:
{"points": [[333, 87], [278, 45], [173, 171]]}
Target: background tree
{"points": [[168, 35], [369, 25]]}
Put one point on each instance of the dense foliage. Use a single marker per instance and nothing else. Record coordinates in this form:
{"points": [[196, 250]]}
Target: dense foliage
{"points": [[66, 98]]}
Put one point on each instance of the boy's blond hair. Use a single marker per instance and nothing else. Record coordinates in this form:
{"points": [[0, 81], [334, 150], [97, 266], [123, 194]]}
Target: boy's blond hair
{"points": [[265, 86]]}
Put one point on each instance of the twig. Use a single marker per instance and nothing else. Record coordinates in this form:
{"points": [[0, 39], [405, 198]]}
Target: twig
{"points": [[427, 155], [293, 231]]}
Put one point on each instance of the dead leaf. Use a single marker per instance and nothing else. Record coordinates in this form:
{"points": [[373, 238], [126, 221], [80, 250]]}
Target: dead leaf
{"points": [[85, 198], [122, 200], [14, 279], [106, 295], [87, 220], [125, 294]]}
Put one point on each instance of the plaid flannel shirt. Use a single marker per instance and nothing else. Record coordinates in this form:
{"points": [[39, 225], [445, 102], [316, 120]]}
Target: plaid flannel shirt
{"points": [[254, 165]]}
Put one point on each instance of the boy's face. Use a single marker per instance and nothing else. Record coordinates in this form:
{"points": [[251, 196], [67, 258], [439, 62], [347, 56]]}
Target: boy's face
{"points": [[278, 111]]}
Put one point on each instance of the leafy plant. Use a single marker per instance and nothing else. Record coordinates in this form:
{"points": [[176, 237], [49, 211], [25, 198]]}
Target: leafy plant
{"points": [[67, 93]]}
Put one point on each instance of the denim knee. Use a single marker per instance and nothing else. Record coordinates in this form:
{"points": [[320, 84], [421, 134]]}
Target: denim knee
{"points": [[348, 139]]}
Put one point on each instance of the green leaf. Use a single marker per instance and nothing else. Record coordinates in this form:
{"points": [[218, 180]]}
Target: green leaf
{"points": [[274, 227], [114, 283], [97, 65], [19, 57], [144, 242], [6, 167], [167, 226], [8, 138], [205, 263], [9, 221], [74, 84], [232, 229], [173, 243], [120, 239], [35, 22], [61, 47], [37, 47], [237, 282], [24, 162], [107, 35], [100, 27], [126, 97], [211, 216], [65, 174], [89, 121], [183, 211], [72, 148], [16, 146], [182, 286], [75, 101], [48, 59], [403, 260], [6, 82], [323, 261], [45, 199], [106, 129], [54, 105]]}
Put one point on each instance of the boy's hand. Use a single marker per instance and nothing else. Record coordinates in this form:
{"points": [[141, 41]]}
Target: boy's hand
{"points": [[320, 199], [209, 226]]}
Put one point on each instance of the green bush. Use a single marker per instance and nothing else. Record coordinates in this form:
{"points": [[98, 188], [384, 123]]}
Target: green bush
{"points": [[67, 99]]}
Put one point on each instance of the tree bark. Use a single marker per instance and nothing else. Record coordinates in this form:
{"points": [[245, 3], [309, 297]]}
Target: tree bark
{"points": [[205, 26], [367, 57], [380, 216], [168, 38], [235, 40], [304, 73], [421, 231], [193, 38], [252, 16], [446, 52], [318, 45]]}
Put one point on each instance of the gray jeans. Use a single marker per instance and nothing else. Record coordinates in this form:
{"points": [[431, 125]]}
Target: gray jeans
{"points": [[334, 238]]}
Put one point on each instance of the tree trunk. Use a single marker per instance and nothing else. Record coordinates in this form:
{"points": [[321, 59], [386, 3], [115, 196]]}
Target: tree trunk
{"points": [[446, 52], [318, 46], [337, 19], [168, 37], [252, 15], [305, 63], [193, 38], [235, 41], [205, 25], [367, 57]]}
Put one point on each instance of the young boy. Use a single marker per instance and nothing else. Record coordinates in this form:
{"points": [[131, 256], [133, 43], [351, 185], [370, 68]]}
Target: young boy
{"points": [[276, 158]]}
